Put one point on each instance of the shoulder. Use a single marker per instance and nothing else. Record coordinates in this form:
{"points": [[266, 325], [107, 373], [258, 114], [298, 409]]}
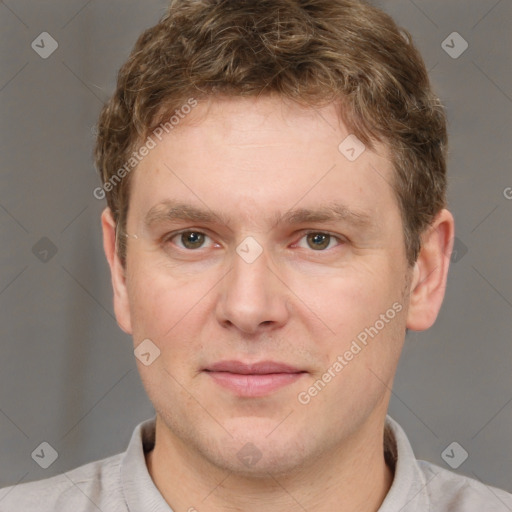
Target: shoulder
{"points": [[449, 491], [90, 487], [420, 485]]}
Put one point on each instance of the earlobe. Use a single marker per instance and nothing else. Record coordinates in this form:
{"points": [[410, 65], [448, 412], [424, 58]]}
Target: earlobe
{"points": [[430, 273], [121, 303]]}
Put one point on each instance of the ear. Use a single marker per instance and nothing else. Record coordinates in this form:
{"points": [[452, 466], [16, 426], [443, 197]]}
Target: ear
{"points": [[430, 273], [121, 303]]}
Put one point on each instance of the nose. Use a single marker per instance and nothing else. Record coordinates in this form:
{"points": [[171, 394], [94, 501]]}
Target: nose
{"points": [[252, 295]]}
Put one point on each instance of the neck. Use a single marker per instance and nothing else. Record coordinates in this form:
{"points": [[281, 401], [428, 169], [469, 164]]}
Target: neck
{"points": [[352, 478]]}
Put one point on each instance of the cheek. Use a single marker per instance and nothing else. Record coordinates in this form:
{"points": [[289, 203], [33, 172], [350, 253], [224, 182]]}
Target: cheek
{"points": [[169, 313], [350, 301], [159, 304], [366, 312]]}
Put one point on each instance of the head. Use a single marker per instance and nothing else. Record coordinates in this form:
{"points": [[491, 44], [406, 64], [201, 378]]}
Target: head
{"points": [[241, 225]]}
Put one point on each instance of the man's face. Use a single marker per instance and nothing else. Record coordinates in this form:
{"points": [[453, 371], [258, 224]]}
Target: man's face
{"points": [[202, 292]]}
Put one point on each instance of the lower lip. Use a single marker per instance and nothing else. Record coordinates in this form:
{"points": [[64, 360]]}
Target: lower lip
{"points": [[254, 385]]}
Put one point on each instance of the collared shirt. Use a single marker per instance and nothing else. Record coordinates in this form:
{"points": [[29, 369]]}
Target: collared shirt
{"points": [[122, 483]]}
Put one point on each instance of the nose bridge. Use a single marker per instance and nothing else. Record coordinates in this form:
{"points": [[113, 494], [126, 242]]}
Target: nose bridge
{"points": [[251, 266], [251, 294]]}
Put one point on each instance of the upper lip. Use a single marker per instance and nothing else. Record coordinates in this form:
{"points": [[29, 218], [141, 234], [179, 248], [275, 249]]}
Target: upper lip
{"points": [[259, 368]]}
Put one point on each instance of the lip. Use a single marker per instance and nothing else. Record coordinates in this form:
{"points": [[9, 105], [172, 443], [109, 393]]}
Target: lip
{"points": [[253, 379], [260, 368]]}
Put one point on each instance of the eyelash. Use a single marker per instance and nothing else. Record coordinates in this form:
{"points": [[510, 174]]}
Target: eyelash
{"points": [[166, 239]]}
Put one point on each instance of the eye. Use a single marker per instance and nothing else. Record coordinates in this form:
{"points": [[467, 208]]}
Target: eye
{"points": [[189, 239], [319, 240]]}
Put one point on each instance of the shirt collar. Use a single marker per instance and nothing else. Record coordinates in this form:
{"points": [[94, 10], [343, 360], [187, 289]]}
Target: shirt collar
{"points": [[140, 492], [408, 491]]}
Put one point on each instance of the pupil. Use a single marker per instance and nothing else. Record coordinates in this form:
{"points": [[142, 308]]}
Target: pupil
{"points": [[192, 238], [321, 238]]}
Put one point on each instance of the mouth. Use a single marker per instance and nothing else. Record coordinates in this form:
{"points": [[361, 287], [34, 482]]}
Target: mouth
{"points": [[254, 379]]}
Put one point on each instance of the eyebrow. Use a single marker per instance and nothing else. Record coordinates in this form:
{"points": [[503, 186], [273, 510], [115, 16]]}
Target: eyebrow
{"points": [[171, 210]]}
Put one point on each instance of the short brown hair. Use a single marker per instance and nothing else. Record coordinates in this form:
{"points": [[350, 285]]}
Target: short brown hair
{"points": [[311, 51]]}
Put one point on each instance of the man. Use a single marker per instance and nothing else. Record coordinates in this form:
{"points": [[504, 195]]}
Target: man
{"points": [[275, 177]]}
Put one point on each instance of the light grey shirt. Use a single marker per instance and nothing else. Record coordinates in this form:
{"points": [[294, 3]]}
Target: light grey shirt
{"points": [[122, 483]]}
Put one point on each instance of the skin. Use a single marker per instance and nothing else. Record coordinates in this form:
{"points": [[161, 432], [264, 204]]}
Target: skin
{"points": [[248, 160]]}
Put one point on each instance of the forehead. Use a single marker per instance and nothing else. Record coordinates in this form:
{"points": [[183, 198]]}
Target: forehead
{"points": [[262, 155], [270, 120]]}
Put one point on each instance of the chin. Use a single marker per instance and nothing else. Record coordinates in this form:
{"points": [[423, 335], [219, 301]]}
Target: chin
{"points": [[255, 453], [246, 444]]}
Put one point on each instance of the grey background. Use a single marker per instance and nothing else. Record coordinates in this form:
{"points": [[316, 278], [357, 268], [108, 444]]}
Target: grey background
{"points": [[67, 372]]}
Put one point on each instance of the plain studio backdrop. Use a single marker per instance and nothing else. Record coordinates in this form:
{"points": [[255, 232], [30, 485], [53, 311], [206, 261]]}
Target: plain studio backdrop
{"points": [[67, 372]]}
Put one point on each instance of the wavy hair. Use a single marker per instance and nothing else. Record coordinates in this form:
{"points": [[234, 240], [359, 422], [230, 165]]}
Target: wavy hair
{"points": [[311, 51]]}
